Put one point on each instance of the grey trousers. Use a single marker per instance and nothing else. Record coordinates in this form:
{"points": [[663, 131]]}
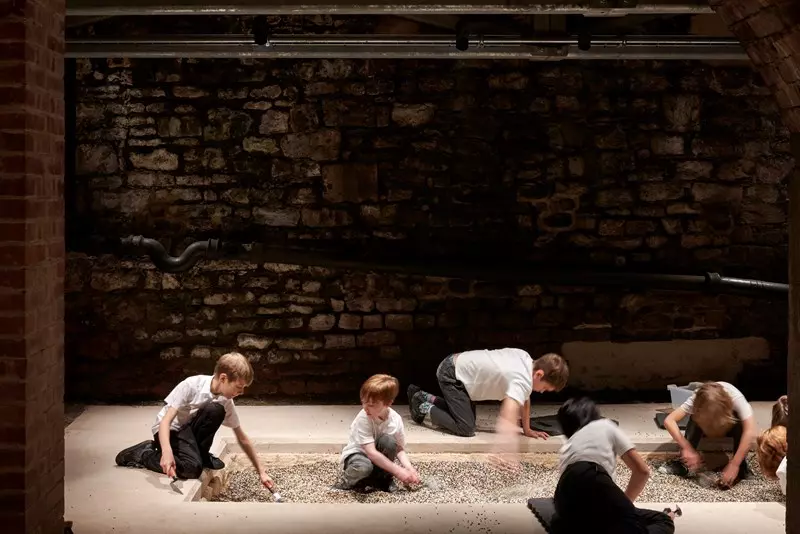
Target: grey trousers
{"points": [[360, 471], [457, 413]]}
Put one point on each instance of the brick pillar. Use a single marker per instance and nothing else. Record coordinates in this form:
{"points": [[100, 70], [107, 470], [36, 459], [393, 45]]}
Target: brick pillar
{"points": [[31, 266]]}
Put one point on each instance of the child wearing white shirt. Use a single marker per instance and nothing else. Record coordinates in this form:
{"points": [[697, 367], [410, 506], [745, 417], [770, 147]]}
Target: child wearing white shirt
{"points": [[377, 439]]}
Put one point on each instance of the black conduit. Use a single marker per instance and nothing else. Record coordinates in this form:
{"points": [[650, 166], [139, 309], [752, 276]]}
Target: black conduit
{"points": [[212, 249], [170, 264]]}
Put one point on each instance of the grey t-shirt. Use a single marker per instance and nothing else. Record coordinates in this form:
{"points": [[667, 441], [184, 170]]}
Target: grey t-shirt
{"points": [[600, 442]]}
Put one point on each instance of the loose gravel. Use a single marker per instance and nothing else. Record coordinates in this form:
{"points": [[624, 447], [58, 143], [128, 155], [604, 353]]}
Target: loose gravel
{"points": [[463, 478]]}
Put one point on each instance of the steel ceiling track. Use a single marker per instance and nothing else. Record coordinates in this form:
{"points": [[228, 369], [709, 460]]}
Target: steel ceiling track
{"points": [[111, 8], [415, 46]]}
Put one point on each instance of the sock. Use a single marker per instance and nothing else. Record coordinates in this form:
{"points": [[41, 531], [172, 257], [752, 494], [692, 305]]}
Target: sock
{"points": [[425, 407], [427, 397]]}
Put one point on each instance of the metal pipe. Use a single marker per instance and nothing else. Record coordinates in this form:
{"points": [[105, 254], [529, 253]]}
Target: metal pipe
{"points": [[409, 7], [398, 47], [170, 264], [460, 270]]}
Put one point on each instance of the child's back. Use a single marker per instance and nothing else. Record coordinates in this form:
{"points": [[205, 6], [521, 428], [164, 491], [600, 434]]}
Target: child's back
{"points": [[600, 441]]}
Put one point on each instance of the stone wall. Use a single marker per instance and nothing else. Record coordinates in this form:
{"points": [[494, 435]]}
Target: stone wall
{"points": [[666, 167]]}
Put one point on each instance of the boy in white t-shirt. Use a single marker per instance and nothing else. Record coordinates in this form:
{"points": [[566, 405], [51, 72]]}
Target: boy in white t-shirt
{"points": [[184, 429], [508, 375], [717, 409], [377, 439]]}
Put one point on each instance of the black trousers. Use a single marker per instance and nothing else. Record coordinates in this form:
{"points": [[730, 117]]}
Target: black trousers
{"points": [[694, 434], [587, 500], [191, 444], [454, 410]]}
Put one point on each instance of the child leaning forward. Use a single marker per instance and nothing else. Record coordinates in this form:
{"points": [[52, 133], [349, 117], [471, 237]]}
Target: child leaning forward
{"points": [[377, 439]]}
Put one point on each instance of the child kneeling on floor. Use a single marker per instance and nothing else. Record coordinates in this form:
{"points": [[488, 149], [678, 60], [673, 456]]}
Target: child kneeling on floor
{"points": [[587, 499], [184, 429], [377, 438], [717, 409], [508, 375]]}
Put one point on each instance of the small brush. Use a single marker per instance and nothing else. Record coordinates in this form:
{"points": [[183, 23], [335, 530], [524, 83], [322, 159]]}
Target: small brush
{"points": [[275, 495]]}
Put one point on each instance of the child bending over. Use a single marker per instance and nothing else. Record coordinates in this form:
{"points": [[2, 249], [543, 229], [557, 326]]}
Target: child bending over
{"points": [[717, 410], [184, 429], [587, 499], [377, 438]]}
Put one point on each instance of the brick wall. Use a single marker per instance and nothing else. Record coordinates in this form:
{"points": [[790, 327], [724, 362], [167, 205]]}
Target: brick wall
{"points": [[31, 267], [646, 166]]}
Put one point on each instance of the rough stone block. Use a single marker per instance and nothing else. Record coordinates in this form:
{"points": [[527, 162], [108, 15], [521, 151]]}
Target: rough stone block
{"points": [[413, 115], [252, 341], [706, 192], [348, 321], [96, 159], [325, 217], [276, 217], [352, 182], [323, 145], [322, 322], [298, 343], [260, 144], [666, 145], [373, 322], [338, 341], [693, 170], [376, 339], [682, 112], [274, 121], [656, 192], [396, 321], [157, 160]]}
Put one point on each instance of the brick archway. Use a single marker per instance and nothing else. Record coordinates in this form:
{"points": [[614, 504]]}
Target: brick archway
{"points": [[770, 33]]}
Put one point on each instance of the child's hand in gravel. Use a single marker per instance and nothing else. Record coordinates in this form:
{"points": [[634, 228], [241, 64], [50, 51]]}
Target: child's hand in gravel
{"points": [[408, 476], [266, 480], [691, 458]]}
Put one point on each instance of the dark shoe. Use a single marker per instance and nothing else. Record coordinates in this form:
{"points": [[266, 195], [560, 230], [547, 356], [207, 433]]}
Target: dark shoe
{"points": [[412, 390], [417, 415], [132, 456], [212, 462], [674, 467]]}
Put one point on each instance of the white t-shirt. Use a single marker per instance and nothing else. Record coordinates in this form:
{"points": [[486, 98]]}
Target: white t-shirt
{"points": [[189, 396], [782, 475], [601, 442], [740, 404], [364, 431], [496, 374]]}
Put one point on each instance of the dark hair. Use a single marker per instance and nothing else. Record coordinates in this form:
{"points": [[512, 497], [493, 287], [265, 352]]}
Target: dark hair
{"points": [[576, 414]]}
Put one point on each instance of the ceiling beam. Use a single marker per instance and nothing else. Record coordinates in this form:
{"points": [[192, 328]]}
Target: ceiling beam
{"points": [[90, 8]]}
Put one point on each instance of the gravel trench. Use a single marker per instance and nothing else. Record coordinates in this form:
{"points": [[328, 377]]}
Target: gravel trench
{"points": [[463, 478]]}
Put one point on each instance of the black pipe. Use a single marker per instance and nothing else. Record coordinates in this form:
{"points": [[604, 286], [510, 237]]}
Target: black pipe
{"points": [[170, 264], [462, 270]]}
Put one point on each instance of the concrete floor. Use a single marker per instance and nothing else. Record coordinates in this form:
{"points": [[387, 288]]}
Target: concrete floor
{"points": [[103, 498]]}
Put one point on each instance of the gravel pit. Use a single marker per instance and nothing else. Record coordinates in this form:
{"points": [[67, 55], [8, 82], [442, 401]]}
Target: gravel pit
{"points": [[462, 478]]}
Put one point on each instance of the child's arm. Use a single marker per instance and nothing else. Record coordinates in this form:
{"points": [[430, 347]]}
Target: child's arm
{"points": [[167, 457], [247, 447], [688, 454], [506, 421], [378, 458], [748, 435], [639, 473]]}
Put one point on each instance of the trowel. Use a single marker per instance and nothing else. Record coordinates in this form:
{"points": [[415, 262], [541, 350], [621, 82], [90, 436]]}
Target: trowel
{"points": [[174, 486], [275, 495]]}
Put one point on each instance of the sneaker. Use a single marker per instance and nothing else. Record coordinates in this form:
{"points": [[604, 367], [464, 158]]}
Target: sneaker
{"points": [[213, 462], [412, 390], [415, 405], [132, 456], [674, 467]]}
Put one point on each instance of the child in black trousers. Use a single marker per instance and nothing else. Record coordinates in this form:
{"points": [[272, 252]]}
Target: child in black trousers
{"points": [[587, 499]]}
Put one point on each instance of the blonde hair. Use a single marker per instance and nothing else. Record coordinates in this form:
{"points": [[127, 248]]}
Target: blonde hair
{"points": [[780, 411], [555, 369], [236, 366], [771, 448], [713, 410], [382, 388]]}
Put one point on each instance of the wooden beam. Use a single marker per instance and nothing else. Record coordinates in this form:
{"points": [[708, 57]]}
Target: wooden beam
{"points": [[793, 371]]}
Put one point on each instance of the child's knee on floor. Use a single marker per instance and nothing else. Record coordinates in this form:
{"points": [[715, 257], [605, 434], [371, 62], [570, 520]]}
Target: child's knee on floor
{"points": [[357, 469]]}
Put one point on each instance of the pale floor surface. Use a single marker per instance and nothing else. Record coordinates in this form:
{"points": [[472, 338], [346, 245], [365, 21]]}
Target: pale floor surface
{"points": [[103, 498]]}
